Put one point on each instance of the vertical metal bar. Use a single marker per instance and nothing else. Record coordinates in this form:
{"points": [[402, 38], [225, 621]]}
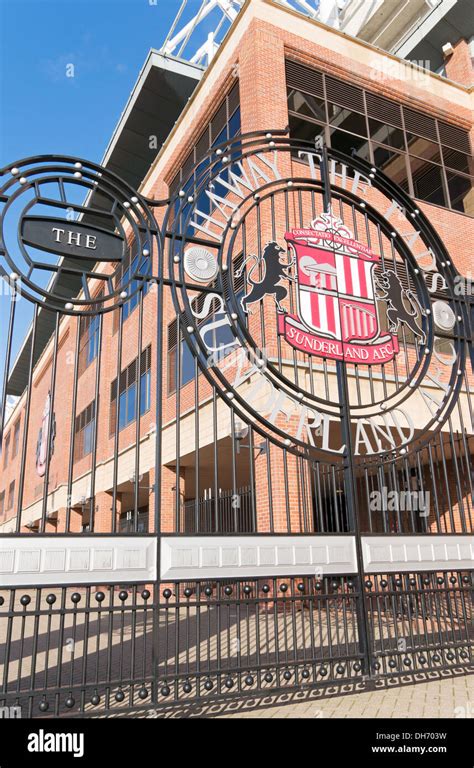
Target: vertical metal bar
{"points": [[349, 468], [157, 483], [98, 364], [8, 353], [196, 447], [51, 425], [138, 405], [72, 438], [26, 422], [216, 466], [117, 417]]}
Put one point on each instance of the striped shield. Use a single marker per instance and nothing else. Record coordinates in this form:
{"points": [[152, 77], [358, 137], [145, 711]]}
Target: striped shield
{"points": [[336, 296]]}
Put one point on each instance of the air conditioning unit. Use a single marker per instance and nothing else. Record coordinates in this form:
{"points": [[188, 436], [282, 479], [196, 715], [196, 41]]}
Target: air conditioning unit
{"points": [[447, 49]]}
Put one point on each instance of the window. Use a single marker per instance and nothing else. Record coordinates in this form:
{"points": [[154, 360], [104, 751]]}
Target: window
{"points": [[224, 126], [427, 181], [2, 504], [16, 438], [84, 432], [306, 105], [392, 163], [140, 265], [11, 496], [458, 161], [350, 144], [347, 120], [461, 192], [128, 394], [6, 455], [185, 366], [423, 148], [129, 277], [304, 130], [220, 338], [429, 159], [386, 134], [89, 341]]}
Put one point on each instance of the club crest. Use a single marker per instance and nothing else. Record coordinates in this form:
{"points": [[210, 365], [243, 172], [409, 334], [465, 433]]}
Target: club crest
{"points": [[337, 303]]}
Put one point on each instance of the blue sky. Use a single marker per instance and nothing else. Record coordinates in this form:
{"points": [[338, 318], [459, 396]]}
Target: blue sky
{"points": [[43, 110]]}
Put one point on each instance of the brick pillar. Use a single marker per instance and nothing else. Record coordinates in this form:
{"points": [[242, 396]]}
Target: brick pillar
{"points": [[170, 485], [51, 526], [103, 512], [288, 502], [75, 524], [262, 78], [25, 529], [75, 520], [459, 64]]}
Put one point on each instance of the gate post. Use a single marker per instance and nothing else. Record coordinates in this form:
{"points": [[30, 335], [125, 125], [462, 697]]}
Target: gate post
{"points": [[348, 464], [353, 517]]}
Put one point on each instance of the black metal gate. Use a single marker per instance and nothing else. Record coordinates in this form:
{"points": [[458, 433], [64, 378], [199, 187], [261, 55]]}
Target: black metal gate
{"points": [[223, 479]]}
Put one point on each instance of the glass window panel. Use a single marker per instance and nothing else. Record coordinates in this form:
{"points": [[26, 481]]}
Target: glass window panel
{"points": [[347, 120], [386, 134], [304, 130], [202, 173], [93, 340], [423, 148], [222, 136], [392, 163], [187, 364], [145, 392], [234, 124], [131, 403], [306, 105], [144, 269], [203, 204], [123, 410], [87, 438], [172, 370], [427, 181], [461, 192], [134, 300], [458, 161], [350, 144], [215, 186], [224, 336]]}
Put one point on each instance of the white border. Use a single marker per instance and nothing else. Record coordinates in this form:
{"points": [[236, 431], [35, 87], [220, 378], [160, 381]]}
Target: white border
{"points": [[204, 557], [32, 560], [430, 552]]}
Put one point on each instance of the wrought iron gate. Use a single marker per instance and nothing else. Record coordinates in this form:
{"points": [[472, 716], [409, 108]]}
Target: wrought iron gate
{"points": [[222, 479]]}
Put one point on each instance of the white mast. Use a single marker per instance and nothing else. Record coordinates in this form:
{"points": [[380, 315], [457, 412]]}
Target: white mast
{"points": [[185, 37]]}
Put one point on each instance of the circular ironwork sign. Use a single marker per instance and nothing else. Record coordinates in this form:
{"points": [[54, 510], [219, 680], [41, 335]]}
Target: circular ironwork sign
{"points": [[315, 293], [74, 237]]}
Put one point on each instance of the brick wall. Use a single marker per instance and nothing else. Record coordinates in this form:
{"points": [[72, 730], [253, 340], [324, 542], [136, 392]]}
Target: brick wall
{"points": [[459, 64]]}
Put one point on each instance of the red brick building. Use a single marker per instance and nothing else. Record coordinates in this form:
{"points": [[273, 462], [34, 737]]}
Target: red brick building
{"points": [[276, 70]]}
